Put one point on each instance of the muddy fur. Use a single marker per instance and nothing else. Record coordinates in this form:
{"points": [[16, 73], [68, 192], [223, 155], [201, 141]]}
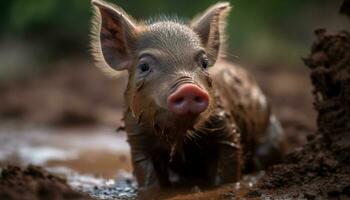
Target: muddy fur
{"points": [[236, 133]]}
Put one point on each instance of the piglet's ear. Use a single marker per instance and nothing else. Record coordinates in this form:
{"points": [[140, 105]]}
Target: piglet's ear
{"points": [[210, 27], [113, 36]]}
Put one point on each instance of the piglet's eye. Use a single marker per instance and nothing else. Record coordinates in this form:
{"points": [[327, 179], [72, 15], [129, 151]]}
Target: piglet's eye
{"points": [[144, 67], [205, 63]]}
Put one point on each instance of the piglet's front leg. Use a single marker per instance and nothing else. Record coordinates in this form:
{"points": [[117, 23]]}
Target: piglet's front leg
{"points": [[144, 171], [229, 163], [147, 174], [225, 136]]}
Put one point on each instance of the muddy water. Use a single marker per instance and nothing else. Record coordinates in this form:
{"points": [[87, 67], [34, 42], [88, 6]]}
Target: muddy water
{"points": [[94, 160], [97, 151]]}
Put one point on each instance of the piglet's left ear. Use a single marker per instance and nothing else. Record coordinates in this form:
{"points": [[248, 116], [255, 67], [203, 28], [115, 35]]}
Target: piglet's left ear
{"points": [[210, 27], [113, 36]]}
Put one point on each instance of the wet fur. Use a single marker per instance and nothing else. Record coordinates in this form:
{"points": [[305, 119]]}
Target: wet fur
{"points": [[210, 149]]}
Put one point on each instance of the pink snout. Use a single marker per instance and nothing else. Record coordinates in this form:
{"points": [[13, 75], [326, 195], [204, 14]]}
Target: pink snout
{"points": [[188, 99]]}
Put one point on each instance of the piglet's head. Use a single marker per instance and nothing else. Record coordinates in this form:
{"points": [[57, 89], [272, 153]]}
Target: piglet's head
{"points": [[167, 60]]}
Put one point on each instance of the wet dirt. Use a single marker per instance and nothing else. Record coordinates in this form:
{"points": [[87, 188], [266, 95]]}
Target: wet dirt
{"points": [[98, 151], [94, 161], [34, 183], [321, 169]]}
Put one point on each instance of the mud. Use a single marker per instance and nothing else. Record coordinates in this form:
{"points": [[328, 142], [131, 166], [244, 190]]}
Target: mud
{"points": [[321, 169], [96, 151], [34, 183], [75, 93]]}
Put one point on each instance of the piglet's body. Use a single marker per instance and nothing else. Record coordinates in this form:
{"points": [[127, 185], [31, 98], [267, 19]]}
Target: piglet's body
{"points": [[192, 118]]}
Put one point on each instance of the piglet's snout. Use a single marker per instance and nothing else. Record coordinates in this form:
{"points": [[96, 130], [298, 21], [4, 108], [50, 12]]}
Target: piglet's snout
{"points": [[188, 99]]}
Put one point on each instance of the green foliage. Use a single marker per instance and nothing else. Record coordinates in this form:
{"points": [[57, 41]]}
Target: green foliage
{"points": [[37, 17]]}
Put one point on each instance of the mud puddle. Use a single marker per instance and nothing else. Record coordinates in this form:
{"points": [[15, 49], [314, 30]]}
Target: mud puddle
{"points": [[93, 160], [238, 190]]}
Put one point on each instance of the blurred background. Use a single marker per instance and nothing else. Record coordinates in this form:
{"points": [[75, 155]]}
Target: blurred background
{"points": [[58, 110], [35, 34]]}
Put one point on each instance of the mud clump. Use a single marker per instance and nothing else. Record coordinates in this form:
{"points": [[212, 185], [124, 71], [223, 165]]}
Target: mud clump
{"points": [[34, 183], [322, 168], [330, 75]]}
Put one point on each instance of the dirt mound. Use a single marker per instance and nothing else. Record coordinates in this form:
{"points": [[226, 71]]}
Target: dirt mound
{"points": [[34, 183], [322, 168]]}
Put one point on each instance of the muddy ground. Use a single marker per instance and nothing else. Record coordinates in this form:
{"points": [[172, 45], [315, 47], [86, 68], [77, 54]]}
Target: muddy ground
{"points": [[35, 183], [321, 169]]}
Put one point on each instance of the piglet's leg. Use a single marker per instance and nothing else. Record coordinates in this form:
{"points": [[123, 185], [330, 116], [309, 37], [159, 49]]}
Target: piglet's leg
{"points": [[146, 177], [144, 169], [229, 163]]}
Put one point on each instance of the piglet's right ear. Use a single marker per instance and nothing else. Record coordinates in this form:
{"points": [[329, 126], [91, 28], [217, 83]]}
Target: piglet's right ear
{"points": [[113, 36]]}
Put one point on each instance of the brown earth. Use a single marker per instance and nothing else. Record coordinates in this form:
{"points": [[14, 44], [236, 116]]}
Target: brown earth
{"points": [[34, 183], [321, 169]]}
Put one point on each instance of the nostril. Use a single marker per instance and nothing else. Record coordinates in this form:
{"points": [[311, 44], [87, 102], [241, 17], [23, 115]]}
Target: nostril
{"points": [[198, 99], [179, 100]]}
